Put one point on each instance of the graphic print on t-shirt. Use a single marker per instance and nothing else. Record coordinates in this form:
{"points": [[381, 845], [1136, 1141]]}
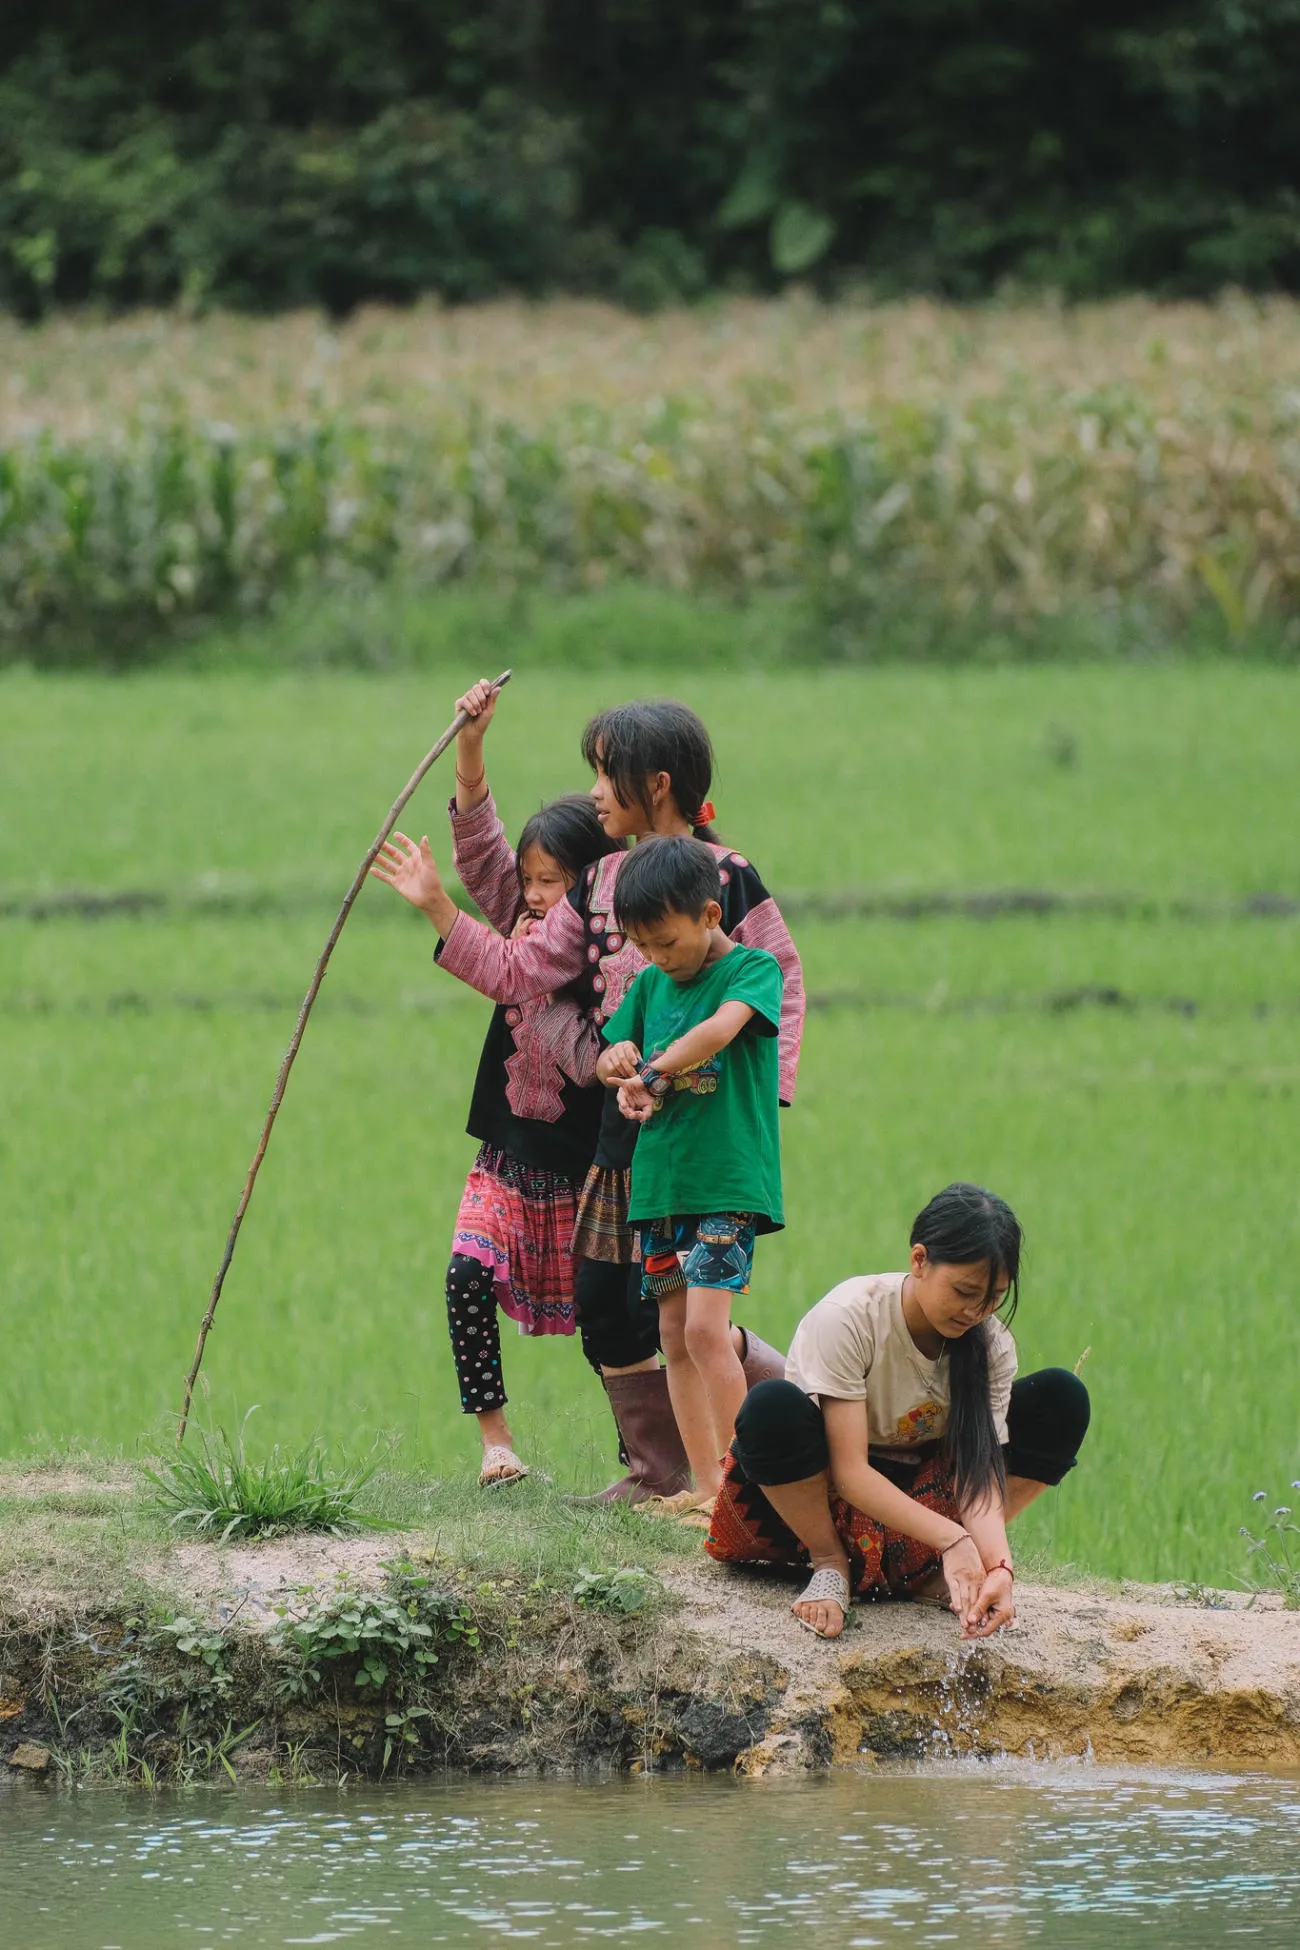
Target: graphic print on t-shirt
{"points": [[921, 1422]]}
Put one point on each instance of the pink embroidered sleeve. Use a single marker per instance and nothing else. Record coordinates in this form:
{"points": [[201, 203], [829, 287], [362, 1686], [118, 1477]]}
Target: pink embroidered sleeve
{"points": [[547, 959], [485, 861], [572, 1037], [763, 927]]}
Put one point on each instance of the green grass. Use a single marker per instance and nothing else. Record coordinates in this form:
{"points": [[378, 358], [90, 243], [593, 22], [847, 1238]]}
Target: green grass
{"points": [[212, 1486], [1127, 1078]]}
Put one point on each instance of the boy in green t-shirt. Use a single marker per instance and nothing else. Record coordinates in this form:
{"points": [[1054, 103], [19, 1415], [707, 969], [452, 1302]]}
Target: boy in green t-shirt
{"points": [[706, 1175]]}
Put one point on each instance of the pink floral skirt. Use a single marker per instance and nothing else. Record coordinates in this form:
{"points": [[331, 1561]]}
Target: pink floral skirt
{"points": [[517, 1220]]}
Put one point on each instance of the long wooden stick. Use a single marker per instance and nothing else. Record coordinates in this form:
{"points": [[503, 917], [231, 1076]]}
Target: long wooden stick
{"points": [[457, 724]]}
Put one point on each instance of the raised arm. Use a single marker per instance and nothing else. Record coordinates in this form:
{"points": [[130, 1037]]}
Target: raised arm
{"points": [[480, 701], [485, 861]]}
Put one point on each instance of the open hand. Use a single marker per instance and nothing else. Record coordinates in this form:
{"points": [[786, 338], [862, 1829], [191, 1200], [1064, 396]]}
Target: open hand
{"points": [[410, 870], [636, 1102]]}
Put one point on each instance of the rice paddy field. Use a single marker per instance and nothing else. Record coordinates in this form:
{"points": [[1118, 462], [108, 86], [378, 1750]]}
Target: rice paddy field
{"points": [[1050, 920]]}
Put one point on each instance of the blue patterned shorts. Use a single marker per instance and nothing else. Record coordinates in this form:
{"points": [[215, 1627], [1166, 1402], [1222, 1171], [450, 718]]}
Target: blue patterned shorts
{"points": [[718, 1249]]}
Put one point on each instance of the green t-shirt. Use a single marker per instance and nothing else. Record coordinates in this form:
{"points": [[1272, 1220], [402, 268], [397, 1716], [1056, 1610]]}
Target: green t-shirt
{"points": [[713, 1144]]}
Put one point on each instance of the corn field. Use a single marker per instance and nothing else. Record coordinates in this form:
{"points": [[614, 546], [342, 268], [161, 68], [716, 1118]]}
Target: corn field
{"points": [[1013, 464]]}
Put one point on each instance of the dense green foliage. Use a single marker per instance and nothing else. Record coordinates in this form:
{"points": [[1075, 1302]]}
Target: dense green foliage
{"points": [[942, 484], [1051, 944], [340, 150]]}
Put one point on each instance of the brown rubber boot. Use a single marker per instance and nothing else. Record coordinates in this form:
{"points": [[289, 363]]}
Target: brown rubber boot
{"points": [[657, 1464], [760, 1362]]}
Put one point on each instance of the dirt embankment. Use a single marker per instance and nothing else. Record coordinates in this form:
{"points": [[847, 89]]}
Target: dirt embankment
{"points": [[1142, 1677], [720, 1676]]}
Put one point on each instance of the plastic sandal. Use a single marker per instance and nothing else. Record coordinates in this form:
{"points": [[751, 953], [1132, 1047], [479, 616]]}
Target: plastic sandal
{"points": [[504, 1467], [827, 1585]]}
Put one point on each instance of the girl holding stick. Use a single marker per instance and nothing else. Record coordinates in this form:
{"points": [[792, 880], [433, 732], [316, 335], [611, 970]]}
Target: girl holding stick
{"points": [[653, 765], [536, 1106]]}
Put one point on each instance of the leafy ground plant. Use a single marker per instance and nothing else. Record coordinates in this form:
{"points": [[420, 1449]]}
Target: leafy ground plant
{"points": [[392, 1635], [624, 1591], [213, 1487], [1273, 1557]]}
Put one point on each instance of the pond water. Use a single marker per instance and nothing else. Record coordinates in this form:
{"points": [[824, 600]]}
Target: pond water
{"points": [[1004, 1854]]}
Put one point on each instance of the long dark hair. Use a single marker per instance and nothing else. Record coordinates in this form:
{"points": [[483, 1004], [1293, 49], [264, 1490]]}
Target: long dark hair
{"points": [[963, 1225], [654, 734], [570, 832]]}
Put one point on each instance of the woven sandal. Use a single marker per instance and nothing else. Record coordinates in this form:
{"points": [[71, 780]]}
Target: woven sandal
{"points": [[504, 1467], [683, 1504], [826, 1585]]}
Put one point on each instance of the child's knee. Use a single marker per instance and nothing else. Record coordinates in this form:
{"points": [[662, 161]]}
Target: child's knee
{"points": [[708, 1329], [672, 1330]]}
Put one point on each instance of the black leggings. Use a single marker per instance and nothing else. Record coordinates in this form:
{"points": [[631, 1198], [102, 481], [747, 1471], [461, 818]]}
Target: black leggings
{"points": [[618, 1325], [781, 1434], [475, 1334]]}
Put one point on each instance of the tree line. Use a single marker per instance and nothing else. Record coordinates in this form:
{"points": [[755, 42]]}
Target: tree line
{"points": [[336, 151]]}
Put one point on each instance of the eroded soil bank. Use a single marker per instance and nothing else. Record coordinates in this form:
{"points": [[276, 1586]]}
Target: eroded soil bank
{"points": [[183, 1672]]}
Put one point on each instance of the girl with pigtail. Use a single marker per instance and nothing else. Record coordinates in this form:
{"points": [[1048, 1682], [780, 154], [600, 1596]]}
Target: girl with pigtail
{"points": [[653, 765], [892, 1456]]}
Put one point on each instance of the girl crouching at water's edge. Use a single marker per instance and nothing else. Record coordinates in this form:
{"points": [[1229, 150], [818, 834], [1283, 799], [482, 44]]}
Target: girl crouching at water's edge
{"points": [[900, 1445]]}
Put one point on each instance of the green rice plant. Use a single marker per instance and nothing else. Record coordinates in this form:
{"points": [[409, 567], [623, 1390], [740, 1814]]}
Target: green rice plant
{"points": [[1122, 1062], [213, 1487], [1273, 1557]]}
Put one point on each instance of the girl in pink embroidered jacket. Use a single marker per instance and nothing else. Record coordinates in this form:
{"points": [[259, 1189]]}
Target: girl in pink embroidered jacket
{"points": [[653, 763], [536, 1107]]}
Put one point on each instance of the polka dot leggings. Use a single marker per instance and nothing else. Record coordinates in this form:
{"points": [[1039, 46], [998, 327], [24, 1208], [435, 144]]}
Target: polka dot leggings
{"points": [[475, 1334]]}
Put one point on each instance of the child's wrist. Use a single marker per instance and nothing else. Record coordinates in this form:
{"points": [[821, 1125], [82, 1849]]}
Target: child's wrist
{"points": [[654, 1080]]}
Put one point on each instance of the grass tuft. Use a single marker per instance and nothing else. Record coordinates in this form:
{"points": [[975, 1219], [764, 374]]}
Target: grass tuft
{"points": [[215, 1488]]}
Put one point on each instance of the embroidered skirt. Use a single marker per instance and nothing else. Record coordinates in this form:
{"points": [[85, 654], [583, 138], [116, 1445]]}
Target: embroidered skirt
{"points": [[883, 1563], [518, 1220], [601, 1230]]}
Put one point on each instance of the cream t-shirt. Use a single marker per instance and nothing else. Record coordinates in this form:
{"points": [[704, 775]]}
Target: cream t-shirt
{"points": [[854, 1346]]}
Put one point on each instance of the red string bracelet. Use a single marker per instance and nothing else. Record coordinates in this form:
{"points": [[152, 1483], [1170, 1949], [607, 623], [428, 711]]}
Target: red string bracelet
{"points": [[1001, 1565]]}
